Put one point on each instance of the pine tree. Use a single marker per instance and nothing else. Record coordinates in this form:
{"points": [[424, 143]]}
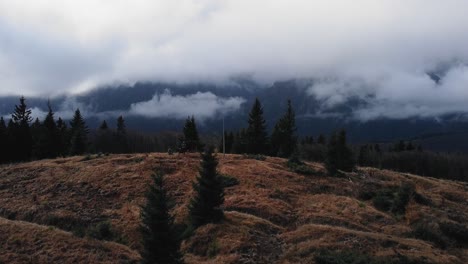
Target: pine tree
{"points": [[191, 138], [121, 128], [63, 137], [205, 207], [257, 141], [103, 126], [20, 132], [48, 142], [283, 138], [339, 155], [103, 139], [3, 141], [160, 240], [121, 136], [79, 132]]}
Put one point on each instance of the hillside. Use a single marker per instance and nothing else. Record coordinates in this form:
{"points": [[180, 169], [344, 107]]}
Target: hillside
{"points": [[272, 216]]}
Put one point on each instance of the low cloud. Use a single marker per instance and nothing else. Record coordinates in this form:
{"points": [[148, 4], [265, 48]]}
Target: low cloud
{"points": [[377, 51], [202, 105], [397, 94]]}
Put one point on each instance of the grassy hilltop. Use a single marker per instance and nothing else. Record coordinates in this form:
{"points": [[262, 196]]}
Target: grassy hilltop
{"points": [[87, 209]]}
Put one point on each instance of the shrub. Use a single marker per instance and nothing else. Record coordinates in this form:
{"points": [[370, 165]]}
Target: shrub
{"points": [[402, 198], [383, 200], [254, 156], [392, 199], [213, 249], [455, 231], [101, 231], [296, 165], [228, 181], [351, 257], [424, 232]]}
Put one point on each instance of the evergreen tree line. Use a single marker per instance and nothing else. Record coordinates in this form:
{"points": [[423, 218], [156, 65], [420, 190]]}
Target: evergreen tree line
{"points": [[407, 157], [255, 139], [23, 139], [402, 156]]}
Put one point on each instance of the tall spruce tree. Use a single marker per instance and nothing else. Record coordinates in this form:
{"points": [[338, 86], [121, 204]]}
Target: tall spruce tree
{"points": [[205, 207], [103, 126], [103, 138], [20, 132], [191, 138], [121, 128], [160, 240], [339, 154], [3, 141], [121, 136], [257, 136], [283, 138], [79, 134], [63, 137], [48, 143]]}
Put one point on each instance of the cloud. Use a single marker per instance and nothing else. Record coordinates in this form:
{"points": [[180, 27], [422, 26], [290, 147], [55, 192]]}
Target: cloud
{"points": [[397, 95], [202, 105], [65, 110], [378, 51]]}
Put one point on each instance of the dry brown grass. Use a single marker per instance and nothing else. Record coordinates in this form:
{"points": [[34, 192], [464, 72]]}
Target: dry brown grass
{"points": [[273, 215]]}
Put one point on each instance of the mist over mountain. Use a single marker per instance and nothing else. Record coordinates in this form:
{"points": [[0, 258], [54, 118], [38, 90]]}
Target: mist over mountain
{"points": [[156, 107]]}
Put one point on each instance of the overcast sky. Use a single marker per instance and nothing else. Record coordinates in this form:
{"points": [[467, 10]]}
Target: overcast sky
{"points": [[378, 50]]}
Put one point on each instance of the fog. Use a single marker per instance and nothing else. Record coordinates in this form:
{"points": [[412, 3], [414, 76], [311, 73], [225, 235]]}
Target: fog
{"points": [[378, 51]]}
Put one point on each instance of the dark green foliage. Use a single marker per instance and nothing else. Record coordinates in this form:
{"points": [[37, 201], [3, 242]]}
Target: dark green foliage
{"points": [[439, 165], [205, 207], [160, 239], [394, 199], [229, 141], [420, 199], [339, 155], [313, 151], [47, 140], [256, 136], [63, 137], [101, 231], [79, 134], [228, 181], [121, 127], [297, 166], [283, 138], [20, 132], [255, 157], [239, 145], [103, 142], [369, 155], [191, 140], [103, 126], [3, 141], [427, 233], [352, 257], [402, 198], [383, 200], [120, 138], [455, 231]]}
